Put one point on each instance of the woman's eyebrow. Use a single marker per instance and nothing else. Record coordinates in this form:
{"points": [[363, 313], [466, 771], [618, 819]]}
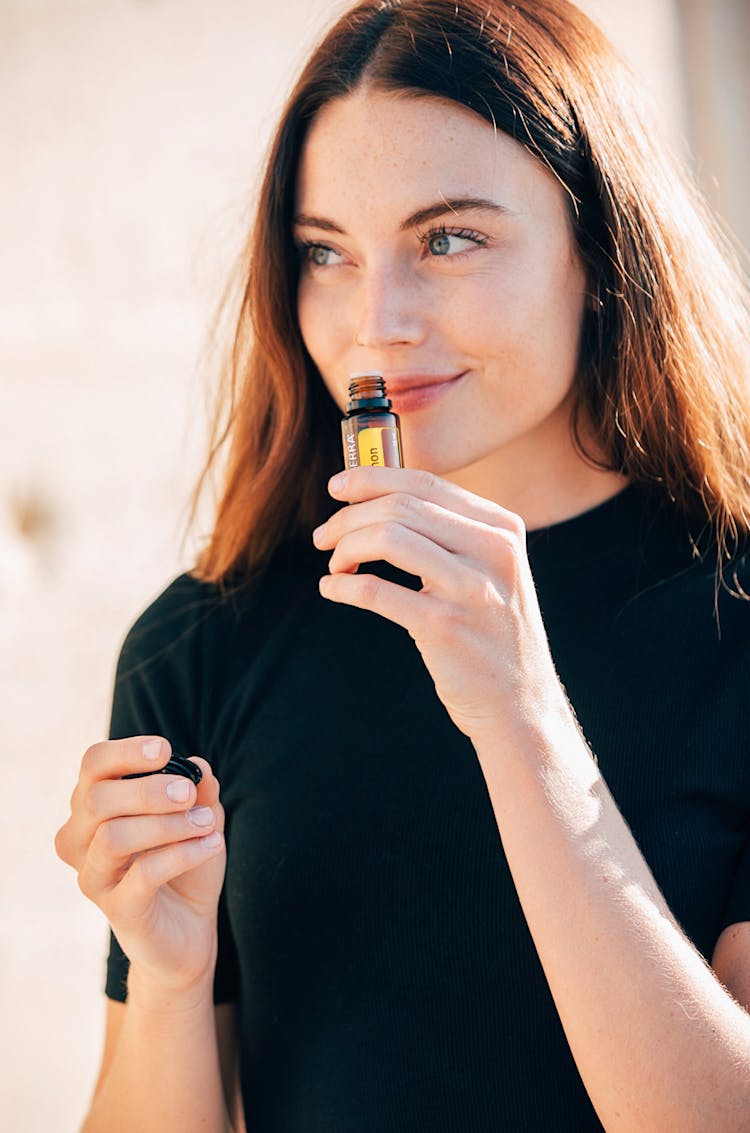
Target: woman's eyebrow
{"points": [[303, 220], [444, 207], [448, 205]]}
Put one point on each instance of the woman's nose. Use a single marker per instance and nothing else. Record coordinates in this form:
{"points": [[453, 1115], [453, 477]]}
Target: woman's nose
{"points": [[390, 310]]}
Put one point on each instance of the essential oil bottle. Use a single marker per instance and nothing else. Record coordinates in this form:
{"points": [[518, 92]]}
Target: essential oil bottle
{"points": [[370, 430]]}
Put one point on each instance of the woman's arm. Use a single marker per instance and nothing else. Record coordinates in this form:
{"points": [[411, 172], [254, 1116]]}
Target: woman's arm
{"points": [[149, 851], [660, 1045], [731, 961], [160, 1068]]}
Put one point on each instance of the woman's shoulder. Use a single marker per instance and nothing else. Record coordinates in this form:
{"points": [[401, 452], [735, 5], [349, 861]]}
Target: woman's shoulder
{"points": [[191, 613], [176, 608]]}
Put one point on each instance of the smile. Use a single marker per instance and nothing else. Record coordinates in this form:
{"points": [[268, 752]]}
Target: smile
{"points": [[412, 392]]}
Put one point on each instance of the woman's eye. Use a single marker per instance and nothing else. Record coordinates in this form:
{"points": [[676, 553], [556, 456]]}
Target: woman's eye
{"points": [[439, 244], [320, 255], [443, 243]]}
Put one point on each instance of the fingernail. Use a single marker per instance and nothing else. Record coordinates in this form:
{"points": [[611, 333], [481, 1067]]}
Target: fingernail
{"points": [[318, 533], [151, 749], [212, 840], [201, 815], [338, 482], [178, 791]]}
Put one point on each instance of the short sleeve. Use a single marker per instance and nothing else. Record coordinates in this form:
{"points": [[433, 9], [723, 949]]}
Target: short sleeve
{"points": [[157, 691]]}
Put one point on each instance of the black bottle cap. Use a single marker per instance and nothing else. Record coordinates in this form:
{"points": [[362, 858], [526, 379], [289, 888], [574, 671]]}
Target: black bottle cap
{"points": [[177, 765]]}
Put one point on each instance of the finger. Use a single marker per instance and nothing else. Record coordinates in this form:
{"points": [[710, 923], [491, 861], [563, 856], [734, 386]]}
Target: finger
{"points": [[452, 531], [115, 843], [208, 788], [358, 484], [103, 801], [111, 759], [152, 794], [440, 571], [151, 870], [157, 794], [98, 801], [404, 607]]}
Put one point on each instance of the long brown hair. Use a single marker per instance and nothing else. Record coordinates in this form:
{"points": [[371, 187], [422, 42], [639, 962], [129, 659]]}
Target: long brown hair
{"points": [[665, 361]]}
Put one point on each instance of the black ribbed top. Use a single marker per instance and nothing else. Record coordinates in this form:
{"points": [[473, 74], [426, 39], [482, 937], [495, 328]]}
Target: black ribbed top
{"points": [[369, 929]]}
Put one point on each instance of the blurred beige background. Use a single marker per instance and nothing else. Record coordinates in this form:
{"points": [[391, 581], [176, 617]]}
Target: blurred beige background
{"points": [[132, 133]]}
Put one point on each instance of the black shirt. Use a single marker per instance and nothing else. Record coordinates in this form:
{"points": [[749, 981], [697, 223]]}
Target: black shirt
{"points": [[370, 932]]}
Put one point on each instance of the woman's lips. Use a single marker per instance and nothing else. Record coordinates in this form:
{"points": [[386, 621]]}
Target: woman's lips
{"points": [[410, 392]]}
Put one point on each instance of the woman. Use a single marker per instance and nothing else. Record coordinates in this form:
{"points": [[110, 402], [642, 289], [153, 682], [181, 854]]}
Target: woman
{"points": [[436, 915]]}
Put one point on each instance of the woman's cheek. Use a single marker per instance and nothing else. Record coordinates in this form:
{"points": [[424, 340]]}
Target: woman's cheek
{"points": [[305, 308], [325, 337], [321, 311]]}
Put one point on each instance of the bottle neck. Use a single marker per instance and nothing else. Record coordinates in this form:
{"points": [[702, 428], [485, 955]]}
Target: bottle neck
{"points": [[367, 393]]}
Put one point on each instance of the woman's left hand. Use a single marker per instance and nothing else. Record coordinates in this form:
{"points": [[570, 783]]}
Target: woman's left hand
{"points": [[476, 620]]}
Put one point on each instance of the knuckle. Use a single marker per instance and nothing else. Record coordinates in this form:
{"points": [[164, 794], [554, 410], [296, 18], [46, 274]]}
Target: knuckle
{"points": [[107, 840], [391, 533], [146, 791], [369, 588], [147, 795], [517, 526], [92, 802], [505, 521], [455, 614], [476, 588], [399, 504], [84, 883], [91, 757], [507, 549], [61, 843], [425, 481]]}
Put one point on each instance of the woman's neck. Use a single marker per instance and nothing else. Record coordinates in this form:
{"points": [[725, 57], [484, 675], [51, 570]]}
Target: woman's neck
{"points": [[543, 479]]}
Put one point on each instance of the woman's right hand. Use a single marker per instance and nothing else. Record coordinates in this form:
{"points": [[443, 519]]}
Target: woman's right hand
{"points": [[149, 860]]}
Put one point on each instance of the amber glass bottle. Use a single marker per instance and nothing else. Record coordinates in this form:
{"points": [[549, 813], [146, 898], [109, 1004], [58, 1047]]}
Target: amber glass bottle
{"points": [[370, 430]]}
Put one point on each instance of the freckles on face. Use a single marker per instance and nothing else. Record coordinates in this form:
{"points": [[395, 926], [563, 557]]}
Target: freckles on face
{"points": [[489, 284]]}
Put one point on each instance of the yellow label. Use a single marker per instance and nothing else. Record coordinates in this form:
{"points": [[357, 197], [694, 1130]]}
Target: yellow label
{"points": [[370, 444]]}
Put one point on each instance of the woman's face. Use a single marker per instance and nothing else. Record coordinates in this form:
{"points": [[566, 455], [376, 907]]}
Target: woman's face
{"points": [[440, 253]]}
